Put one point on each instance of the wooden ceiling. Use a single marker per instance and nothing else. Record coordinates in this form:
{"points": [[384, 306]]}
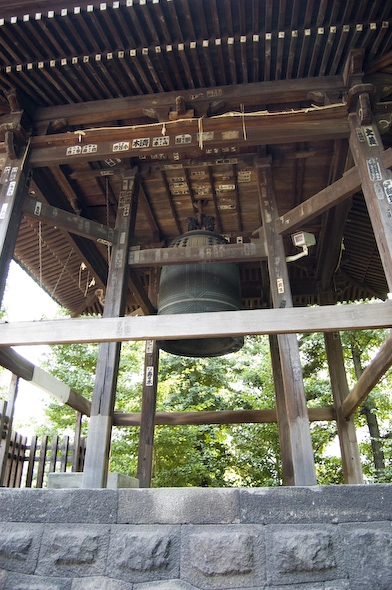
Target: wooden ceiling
{"points": [[193, 93]]}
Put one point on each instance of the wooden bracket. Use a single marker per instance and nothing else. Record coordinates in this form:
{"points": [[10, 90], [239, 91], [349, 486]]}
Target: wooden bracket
{"points": [[361, 98], [181, 111]]}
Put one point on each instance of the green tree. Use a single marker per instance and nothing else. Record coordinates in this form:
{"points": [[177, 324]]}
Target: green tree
{"points": [[208, 455]]}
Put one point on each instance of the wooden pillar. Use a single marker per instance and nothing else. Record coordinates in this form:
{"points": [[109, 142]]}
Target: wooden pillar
{"points": [[14, 184], [77, 435], [297, 416], [376, 180], [351, 460], [281, 414], [9, 413], [147, 418], [149, 397], [102, 407]]}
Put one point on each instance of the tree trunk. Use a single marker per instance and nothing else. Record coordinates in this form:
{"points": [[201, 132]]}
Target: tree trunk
{"points": [[368, 409]]}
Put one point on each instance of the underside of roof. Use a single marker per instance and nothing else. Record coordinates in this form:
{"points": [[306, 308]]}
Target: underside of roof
{"points": [[193, 94]]}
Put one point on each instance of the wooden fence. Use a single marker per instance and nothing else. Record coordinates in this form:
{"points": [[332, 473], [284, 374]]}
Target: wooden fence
{"points": [[28, 465]]}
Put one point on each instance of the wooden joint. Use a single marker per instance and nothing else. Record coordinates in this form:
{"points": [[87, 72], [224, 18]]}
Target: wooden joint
{"points": [[362, 98], [13, 146], [181, 111], [353, 68]]}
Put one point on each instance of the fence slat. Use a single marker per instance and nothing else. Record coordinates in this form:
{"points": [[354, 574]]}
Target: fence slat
{"points": [[64, 454], [53, 454], [30, 469], [8, 465], [21, 461], [41, 462], [41, 457]]}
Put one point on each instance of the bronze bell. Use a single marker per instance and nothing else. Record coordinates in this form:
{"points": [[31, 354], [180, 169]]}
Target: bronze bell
{"points": [[200, 288]]}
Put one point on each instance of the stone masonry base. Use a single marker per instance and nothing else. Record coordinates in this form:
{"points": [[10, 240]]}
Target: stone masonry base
{"points": [[317, 538]]}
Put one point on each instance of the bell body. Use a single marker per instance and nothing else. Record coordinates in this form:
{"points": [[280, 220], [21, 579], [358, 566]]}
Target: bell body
{"points": [[200, 288]]}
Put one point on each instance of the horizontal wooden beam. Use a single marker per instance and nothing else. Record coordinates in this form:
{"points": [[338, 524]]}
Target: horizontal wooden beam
{"points": [[218, 417], [18, 365], [249, 252], [199, 325], [369, 378], [70, 222], [253, 94], [330, 196], [229, 130]]}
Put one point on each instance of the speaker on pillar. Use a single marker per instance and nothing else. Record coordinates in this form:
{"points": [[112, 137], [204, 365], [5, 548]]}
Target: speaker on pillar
{"points": [[200, 288]]}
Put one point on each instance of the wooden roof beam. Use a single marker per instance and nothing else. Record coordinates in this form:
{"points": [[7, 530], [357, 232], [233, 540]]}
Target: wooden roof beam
{"points": [[328, 197], [70, 222], [256, 93], [261, 129], [156, 257], [199, 325]]}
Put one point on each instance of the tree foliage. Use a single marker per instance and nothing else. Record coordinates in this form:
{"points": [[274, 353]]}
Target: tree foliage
{"points": [[245, 455]]}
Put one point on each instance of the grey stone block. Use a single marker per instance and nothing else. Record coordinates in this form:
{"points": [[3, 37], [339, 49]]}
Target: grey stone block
{"points": [[170, 585], [368, 550], [331, 504], [338, 585], [19, 546], [223, 557], [58, 481], [144, 553], [3, 578], [101, 583], [312, 586], [178, 506], [23, 582], [42, 505], [298, 554], [73, 551]]}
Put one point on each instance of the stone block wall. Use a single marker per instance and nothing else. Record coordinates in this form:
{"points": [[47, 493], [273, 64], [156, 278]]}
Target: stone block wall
{"points": [[317, 538]]}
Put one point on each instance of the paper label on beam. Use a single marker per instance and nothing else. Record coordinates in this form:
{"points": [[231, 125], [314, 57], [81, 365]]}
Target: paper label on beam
{"points": [[374, 169], [160, 141], [73, 150], [91, 148], [370, 136], [149, 346], [280, 286], [149, 376], [227, 135], [205, 136], [378, 189], [14, 172], [11, 189], [141, 142], [120, 146], [388, 189], [3, 210], [182, 139]]}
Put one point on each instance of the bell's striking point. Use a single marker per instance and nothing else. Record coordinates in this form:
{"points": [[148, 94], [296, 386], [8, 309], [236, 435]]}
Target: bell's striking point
{"points": [[200, 288]]}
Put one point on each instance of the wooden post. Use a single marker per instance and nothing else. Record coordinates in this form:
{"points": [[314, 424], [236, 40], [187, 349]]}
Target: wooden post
{"points": [[367, 149], [9, 413], [297, 416], [76, 452], [14, 182], [149, 397], [281, 414], [351, 460], [102, 407], [147, 419]]}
